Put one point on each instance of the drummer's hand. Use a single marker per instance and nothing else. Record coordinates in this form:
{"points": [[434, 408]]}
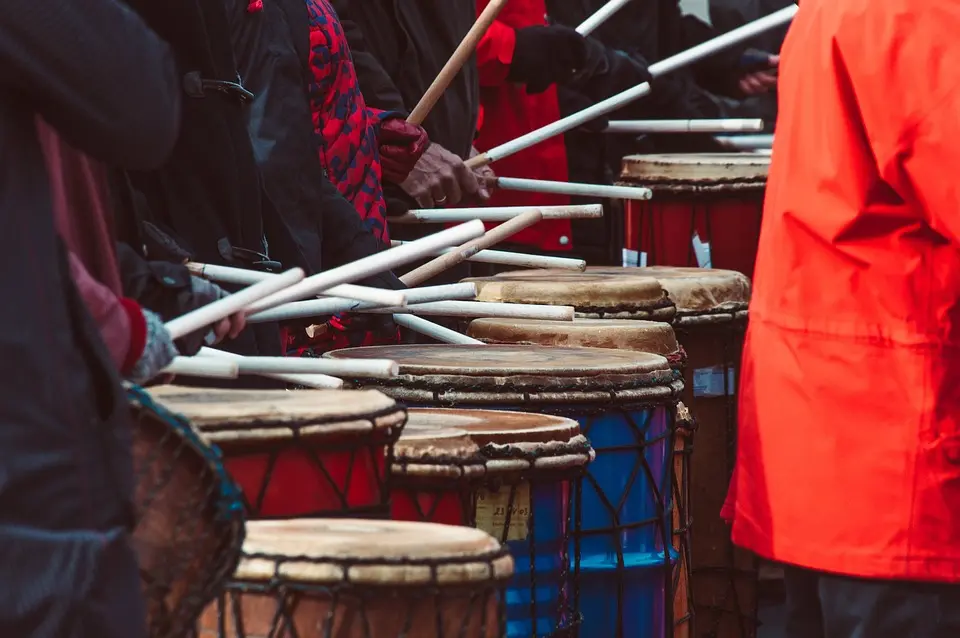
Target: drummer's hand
{"points": [[158, 350], [486, 178], [759, 82], [439, 179], [229, 328]]}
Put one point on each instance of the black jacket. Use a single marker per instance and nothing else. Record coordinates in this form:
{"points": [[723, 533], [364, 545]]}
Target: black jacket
{"points": [[399, 47], [108, 85]]}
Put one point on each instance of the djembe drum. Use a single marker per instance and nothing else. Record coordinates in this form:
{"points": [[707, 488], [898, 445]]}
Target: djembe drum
{"points": [[524, 498], [299, 453], [346, 578], [189, 518], [625, 403], [716, 196], [711, 315], [641, 336]]}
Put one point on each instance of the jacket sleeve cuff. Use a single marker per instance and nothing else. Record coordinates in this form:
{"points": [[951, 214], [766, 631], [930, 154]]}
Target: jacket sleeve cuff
{"points": [[138, 333], [495, 54]]}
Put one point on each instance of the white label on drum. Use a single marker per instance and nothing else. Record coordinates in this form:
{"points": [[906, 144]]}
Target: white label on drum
{"points": [[492, 511], [633, 259], [702, 251], [708, 382]]}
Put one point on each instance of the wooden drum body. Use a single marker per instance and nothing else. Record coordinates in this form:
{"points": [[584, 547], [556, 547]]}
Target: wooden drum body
{"points": [[524, 498], [718, 196], [347, 578], [299, 453], [625, 403]]}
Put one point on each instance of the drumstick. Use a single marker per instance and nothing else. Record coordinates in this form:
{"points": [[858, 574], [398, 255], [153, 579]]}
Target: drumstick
{"points": [[202, 367], [460, 56], [746, 142], [731, 125], [231, 304], [244, 276], [569, 188], [494, 236], [320, 381], [372, 368], [434, 331], [488, 309], [324, 307], [601, 15], [495, 214], [682, 59], [371, 265], [522, 260]]}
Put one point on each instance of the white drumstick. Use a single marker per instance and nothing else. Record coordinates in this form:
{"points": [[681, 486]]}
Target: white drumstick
{"points": [[746, 142], [482, 309], [202, 367], [495, 214], [599, 191], [372, 265], [434, 331], [320, 381], [601, 15], [326, 307], [612, 103], [523, 260], [372, 368], [244, 276], [638, 127], [231, 304]]}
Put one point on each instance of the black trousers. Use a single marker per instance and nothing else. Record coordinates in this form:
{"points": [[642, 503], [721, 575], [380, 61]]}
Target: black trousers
{"points": [[821, 605]]}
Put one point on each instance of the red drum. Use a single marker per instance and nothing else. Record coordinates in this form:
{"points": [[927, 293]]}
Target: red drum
{"points": [[705, 211], [299, 453]]}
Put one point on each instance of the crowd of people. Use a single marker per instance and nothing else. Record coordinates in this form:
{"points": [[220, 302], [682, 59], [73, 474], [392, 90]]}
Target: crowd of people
{"points": [[264, 134]]}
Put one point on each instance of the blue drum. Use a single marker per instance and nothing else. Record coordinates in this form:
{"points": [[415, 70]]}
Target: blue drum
{"points": [[625, 403]]}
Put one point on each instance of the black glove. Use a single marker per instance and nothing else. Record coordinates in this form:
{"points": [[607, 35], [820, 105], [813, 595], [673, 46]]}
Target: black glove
{"points": [[546, 55], [572, 101], [398, 202]]}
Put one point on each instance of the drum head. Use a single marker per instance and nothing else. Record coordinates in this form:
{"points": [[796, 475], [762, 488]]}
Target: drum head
{"points": [[496, 426], [236, 416], [695, 168], [695, 290], [585, 291], [655, 337], [370, 552], [433, 441]]}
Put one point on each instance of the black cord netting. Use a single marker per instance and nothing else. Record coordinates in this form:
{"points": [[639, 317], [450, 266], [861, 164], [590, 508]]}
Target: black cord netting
{"points": [[437, 608], [189, 518]]}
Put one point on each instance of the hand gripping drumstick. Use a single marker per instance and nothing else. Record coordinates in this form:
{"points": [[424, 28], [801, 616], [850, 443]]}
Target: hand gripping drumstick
{"points": [[694, 54], [521, 260], [223, 308], [495, 214], [372, 265], [320, 381], [436, 266], [729, 125], [460, 56], [601, 15]]}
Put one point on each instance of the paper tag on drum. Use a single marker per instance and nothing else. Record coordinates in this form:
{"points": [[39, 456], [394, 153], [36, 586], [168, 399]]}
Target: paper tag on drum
{"points": [[492, 512], [701, 249], [634, 259], [708, 382]]}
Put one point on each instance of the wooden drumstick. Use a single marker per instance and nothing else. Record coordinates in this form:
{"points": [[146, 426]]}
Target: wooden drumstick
{"points": [[460, 56], [495, 214], [600, 16], [600, 191], [434, 331], [320, 381], [494, 236], [202, 367], [730, 125], [682, 59], [222, 308], [521, 260]]}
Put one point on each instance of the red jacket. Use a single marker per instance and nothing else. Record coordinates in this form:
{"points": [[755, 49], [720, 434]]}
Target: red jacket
{"points": [[508, 112]]}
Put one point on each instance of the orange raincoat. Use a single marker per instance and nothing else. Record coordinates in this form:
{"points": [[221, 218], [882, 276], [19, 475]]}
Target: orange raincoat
{"points": [[849, 448]]}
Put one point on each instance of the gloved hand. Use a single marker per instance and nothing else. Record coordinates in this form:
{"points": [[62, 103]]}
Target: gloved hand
{"points": [[158, 350], [401, 146], [203, 292], [546, 55], [572, 101], [440, 179]]}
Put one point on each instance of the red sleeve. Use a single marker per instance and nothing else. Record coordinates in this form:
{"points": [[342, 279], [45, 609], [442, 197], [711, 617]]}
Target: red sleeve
{"points": [[138, 333], [495, 53]]}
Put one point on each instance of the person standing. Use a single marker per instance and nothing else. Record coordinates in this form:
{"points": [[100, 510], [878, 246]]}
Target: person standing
{"points": [[849, 436], [107, 84]]}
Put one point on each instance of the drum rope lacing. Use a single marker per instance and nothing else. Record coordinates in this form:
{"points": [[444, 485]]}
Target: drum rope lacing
{"points": [[288, 594], [663, 188], [183, 549], [360, 443]]}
